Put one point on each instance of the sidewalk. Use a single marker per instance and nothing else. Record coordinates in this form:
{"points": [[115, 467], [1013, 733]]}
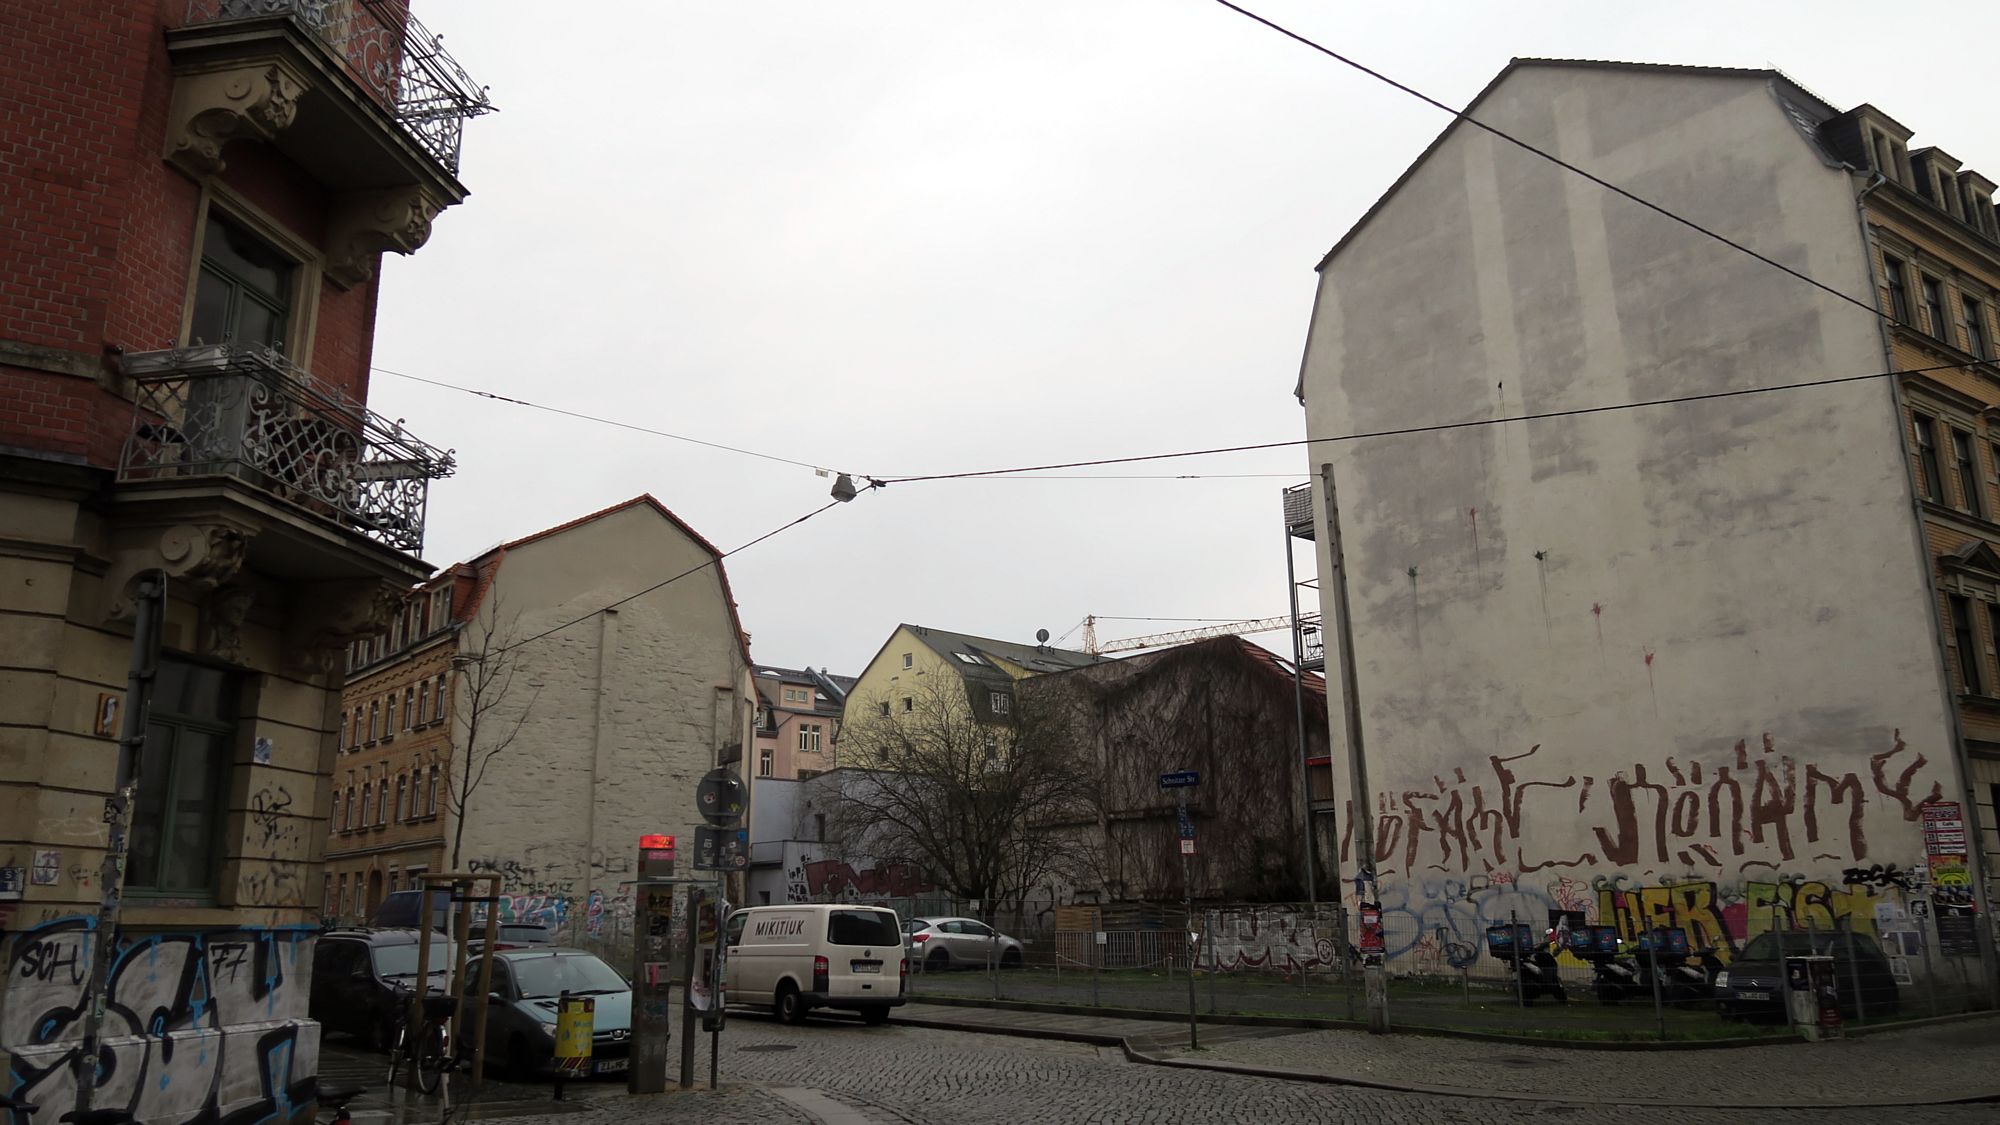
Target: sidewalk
{"points": [[1928, 1065]]}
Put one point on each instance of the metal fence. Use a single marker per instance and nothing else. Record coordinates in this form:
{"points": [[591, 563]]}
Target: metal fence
{"points": [[1298, 960]]}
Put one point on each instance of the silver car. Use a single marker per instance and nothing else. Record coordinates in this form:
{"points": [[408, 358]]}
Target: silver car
{"points": [[945, 943]]}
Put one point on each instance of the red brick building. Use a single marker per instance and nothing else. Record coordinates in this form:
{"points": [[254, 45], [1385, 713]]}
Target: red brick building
{"points": [[198, 194]]}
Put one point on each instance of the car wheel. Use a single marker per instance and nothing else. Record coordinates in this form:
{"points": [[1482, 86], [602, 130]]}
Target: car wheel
{"points": [[791, 1007], [520, 1060], [1011, 959], [938, 961], [874, 1015]]}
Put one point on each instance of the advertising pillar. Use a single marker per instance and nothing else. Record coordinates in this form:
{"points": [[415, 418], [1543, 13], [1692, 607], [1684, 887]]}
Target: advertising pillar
{"points": [[652, 980]]}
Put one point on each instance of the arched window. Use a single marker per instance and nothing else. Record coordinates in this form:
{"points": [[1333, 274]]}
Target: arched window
{"points": [[402, 798], [423, 702], [409, 707], [342, 743], [382, 804], [356, 743], [374, 721], [333, 822], [432, 808], [367, 803], [347, 817], [389, 728]]}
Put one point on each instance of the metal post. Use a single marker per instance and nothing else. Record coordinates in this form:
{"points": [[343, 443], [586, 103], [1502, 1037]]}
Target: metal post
{"points": [[718, 965], [1299, 714], [1854, 973], [1930, 980], [492, 935], [1187, 915], [1096, 958], [150, 604], [1374, 974], [1653, 970], [687, 986], [1520, 976], [562, 1064], [1208, 934], [1784, 965]]}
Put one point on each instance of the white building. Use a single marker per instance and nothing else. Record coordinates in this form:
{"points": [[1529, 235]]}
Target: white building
{"points": [[1677, 662]]}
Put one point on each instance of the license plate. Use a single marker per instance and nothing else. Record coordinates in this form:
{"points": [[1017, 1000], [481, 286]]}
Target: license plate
{"points": [[866, 966], [609, 1066], [1753, 996]]}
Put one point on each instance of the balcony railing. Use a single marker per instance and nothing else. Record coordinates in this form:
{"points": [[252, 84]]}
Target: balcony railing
{"points": [[248, 414], [1312, 643], [401, 64]]}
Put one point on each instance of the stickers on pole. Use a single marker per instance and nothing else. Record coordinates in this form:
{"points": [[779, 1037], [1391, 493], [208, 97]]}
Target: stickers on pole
{"points": [[721, 797]]}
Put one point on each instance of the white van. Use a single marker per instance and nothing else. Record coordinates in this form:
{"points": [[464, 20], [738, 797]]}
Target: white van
{"points": [[818, 955]]}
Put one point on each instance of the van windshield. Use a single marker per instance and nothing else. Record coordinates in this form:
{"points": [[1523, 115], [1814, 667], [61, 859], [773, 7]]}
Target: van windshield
{"points": [[862, 927]]}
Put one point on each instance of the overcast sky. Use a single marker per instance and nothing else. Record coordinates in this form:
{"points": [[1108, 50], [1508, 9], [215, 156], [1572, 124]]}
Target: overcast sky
{"points": [[909, 237]]}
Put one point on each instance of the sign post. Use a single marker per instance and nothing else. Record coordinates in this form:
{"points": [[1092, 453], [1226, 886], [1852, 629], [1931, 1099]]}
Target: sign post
{"points": [[1180, 781], [652, 980], [723, 846]]}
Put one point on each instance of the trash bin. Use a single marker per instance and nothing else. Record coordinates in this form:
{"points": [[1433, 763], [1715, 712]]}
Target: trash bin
{"points": [[1814, 989]]}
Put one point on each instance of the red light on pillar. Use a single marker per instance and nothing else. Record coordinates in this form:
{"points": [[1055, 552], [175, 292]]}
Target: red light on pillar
{"points": [[656, 843]]}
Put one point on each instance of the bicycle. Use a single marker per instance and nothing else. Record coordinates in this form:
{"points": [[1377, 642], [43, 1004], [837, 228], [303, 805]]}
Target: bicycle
{"points": [[336, 1099], [428, 1049]]}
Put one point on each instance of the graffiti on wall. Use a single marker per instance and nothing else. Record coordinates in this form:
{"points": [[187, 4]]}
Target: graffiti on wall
{"points": [[834, 880], [206, 1027], [1751, 805], [1273, 938]]}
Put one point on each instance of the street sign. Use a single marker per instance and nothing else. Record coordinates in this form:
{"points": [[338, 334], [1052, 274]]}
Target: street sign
{"points": [[720, 798], [1187, 823], [721, 849], [1180, 779], [1187, 845]]}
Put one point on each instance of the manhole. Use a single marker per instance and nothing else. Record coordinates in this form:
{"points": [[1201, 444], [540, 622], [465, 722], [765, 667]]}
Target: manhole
{"points": [[769, 1047]]}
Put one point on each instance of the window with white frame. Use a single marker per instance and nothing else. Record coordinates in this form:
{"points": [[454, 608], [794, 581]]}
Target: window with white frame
{"points": [[809, 734], [374, 720], [1001, 702], [766, 762], [423, 702], [431, 806]]}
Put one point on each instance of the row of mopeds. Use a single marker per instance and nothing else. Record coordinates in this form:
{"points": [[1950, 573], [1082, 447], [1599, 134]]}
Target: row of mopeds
{"points": [[1620, 970]]}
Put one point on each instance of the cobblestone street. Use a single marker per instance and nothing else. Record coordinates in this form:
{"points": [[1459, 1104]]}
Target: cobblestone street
{"points": [[897, 1074]]}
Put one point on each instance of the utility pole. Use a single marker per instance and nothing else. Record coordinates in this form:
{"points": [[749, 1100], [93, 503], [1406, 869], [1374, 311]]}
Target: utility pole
{"points": [[150, 604], [1373, 974]]}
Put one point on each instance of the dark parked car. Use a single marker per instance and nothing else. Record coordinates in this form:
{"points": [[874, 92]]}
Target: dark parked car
{"points": [[399, 909], [1751, 987], [521, 1009], [356, 974], [511, 935]]}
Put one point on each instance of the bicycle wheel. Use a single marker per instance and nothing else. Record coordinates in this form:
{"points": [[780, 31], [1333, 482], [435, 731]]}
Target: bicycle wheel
{"points": [[429, 1050]]}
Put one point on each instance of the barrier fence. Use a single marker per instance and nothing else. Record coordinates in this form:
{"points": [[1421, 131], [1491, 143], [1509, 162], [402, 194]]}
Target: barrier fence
{"points": [[1577, 980]]}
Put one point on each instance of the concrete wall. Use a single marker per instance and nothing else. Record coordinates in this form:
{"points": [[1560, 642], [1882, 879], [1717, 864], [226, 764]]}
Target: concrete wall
{"points": [[1674, 647], [626, 711]]}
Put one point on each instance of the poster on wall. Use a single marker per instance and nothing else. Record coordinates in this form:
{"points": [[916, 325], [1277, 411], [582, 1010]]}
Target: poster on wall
{"points": [[1951, 879]]}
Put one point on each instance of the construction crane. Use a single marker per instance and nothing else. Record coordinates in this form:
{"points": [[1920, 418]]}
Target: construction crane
{"points": [[1178, 636]]}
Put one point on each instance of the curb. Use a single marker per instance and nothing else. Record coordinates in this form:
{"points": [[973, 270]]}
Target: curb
{"points": [[1319, 1023], [1132, 1054]]}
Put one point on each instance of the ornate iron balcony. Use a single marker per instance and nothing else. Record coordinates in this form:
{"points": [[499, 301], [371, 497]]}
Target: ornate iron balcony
{"points": [[249, 414], [401, 64]]}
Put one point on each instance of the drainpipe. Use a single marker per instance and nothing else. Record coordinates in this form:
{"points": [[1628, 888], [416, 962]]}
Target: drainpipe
{"points": [[1968, 801]]}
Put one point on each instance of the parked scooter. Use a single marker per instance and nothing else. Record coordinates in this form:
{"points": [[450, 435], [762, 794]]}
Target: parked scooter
{"points": [[1684, 977], [1533, 966], [1614, 976]]}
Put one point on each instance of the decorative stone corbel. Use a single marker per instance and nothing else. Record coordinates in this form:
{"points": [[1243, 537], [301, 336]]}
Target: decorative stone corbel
{"points": [[363, 224], [199, 557], [326, 617], [255, 100], [222, 618]]}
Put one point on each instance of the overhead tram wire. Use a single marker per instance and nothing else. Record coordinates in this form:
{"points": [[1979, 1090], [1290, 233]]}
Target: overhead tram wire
{"points": [[623, 425], [695, 569], [1436, 427]]}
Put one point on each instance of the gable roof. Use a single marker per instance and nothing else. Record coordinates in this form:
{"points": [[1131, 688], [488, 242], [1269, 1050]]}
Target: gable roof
{"points": [[1034, 658], [485, 567], [1792, 97]]}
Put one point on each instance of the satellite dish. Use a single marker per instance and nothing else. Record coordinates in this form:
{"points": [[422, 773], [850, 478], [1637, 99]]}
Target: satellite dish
{"points": [[1041, 636]]}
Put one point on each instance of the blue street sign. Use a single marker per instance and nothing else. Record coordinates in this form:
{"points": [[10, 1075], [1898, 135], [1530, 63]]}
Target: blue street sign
{"points": [[1180, 779], [1187, 824]]}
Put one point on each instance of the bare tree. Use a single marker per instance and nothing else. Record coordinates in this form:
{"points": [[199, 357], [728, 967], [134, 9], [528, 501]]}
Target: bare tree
{"points": [[483, 670], [974, 795]]}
